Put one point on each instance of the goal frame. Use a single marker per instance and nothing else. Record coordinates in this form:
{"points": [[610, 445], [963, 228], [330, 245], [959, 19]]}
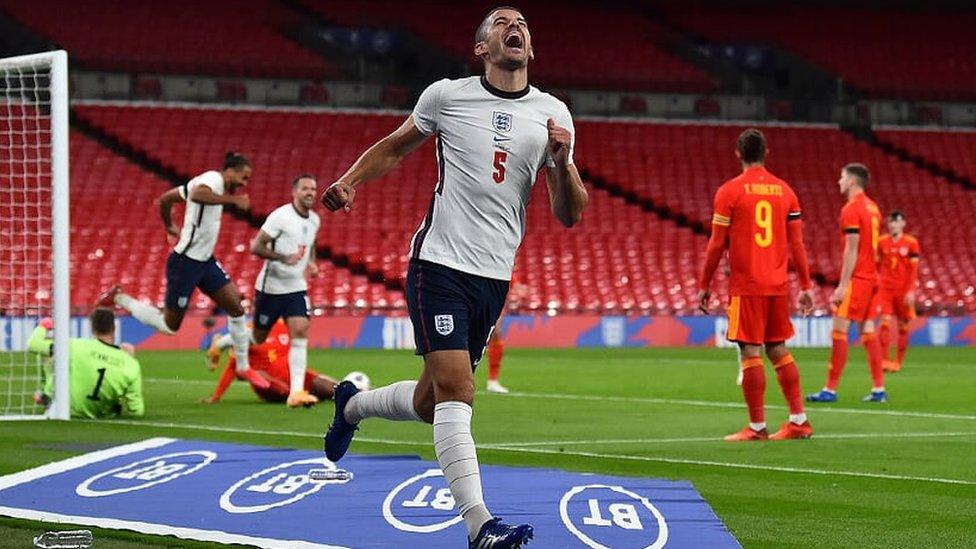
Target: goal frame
{"points": [[60, 226]]}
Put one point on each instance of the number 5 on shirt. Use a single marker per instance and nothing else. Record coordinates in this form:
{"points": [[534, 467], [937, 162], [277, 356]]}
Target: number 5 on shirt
{"points": [[499, 174]]}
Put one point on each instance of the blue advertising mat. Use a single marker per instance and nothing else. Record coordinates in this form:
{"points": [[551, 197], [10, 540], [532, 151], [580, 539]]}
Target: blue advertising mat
{"points": [[233, 493]]}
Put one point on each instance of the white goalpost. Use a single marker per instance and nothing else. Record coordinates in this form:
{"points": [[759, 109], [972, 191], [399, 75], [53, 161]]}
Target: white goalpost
{"points": [[34, 231]]}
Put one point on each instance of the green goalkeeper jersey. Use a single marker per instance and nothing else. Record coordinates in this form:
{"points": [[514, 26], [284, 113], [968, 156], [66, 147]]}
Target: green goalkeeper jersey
{"points": [[105, 380]]}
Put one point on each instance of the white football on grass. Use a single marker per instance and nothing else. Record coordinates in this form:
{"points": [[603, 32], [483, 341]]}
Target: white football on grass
{"points": [[359, 379]]}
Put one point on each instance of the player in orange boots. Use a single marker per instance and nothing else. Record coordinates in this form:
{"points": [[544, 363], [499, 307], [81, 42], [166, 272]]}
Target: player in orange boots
{"points": [[757, 217], [899, 252]]}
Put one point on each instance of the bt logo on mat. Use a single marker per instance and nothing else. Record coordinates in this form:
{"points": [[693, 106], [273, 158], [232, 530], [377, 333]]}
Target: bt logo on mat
{"points": [[421, 504], [596, 512], [144, 473], [276, 486]]}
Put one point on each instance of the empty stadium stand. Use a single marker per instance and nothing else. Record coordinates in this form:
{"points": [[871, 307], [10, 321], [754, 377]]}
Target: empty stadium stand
{"points": [[952, 151], [218, 37], [621, 258], [888, 52], [570, 42]]}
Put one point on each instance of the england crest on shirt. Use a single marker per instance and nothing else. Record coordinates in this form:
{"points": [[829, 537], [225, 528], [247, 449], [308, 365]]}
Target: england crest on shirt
{"points": [[444, 324], [501, 121]]}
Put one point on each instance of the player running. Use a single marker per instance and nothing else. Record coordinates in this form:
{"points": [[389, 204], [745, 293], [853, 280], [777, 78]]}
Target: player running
{"points": [[271, 360], [105, 379], [855, 298], [758, 216], [494, 134], [286, 242], [899, 252], [191, 264]]}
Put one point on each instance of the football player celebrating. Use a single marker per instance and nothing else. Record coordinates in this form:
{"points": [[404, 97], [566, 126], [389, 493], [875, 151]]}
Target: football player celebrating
{"points": [[494, 134], [191, 264]]}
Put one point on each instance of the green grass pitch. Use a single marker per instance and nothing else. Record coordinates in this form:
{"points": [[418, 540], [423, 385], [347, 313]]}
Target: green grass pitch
{"points": [[896, 475]]}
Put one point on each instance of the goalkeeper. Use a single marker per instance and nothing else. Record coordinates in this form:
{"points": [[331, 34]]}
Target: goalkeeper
{"points": [[106, 380]]}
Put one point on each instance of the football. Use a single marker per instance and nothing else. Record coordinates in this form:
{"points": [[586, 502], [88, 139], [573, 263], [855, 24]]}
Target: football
{"points": [[359, 379]]}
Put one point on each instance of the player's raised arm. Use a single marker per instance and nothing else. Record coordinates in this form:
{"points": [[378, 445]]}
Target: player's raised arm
{"points": [[376, 162], [567, 195]]}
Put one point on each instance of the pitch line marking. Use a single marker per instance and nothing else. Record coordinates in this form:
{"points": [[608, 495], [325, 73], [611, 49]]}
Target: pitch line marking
{"points": [[717, 404], [668, 401], [732, 465], [834, 436], [514, 449]]}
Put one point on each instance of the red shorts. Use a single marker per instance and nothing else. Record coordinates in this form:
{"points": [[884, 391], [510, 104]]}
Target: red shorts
{"points": [[280, 387], [893, 303], [758, 319], [860, 301]]}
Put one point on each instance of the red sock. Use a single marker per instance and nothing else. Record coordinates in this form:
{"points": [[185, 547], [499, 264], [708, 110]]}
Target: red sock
{"points": [[754, 388], [884, 337], [496, 350], [789, 381], [838, 359], [902, 344], [873, 348]]}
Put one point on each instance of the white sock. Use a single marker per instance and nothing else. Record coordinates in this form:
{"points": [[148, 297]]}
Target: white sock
{"points": [[394, 402], [757, 426], [799, 419], [877, 389], [241, 336], [223, 342], [831, 391], [458, 459], [147, 314], [297, 362]]}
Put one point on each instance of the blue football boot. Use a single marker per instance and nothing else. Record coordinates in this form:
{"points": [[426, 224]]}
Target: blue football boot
{"points": [[340, 433]]}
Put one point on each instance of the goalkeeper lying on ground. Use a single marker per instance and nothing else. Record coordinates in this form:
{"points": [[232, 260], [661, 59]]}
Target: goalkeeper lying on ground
{"points": [[106, 380]]}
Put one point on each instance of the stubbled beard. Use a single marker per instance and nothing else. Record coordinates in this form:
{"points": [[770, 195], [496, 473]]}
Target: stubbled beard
{"points": [[512, 64]]}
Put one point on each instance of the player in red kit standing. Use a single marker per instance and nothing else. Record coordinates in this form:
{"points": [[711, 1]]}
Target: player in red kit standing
{"points": [[899, 252], [855, 298], [757, 215]]}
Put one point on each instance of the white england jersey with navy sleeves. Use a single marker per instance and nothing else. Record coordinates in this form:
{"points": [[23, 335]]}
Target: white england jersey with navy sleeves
{"points": [[491, 145], [289, 232], [201, 222]]}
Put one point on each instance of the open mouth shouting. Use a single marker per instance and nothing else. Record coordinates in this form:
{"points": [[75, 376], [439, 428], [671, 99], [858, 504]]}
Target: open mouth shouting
{"points": [[514, 42]]}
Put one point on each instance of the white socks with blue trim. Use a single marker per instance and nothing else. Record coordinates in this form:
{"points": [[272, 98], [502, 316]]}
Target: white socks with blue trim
{"points": [[242, 337], [147, 314], [393, 402], [457, 457], [297, 363]]}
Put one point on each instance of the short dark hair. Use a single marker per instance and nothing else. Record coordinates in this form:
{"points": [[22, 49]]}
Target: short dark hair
{"points": [[752, 146], [102, 321], [481, 34], [860, 171], [896, 214], [294, 182], [235, 161]]}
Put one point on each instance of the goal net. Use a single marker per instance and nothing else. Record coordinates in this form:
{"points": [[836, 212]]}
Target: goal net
{"points": [[34, 239]]}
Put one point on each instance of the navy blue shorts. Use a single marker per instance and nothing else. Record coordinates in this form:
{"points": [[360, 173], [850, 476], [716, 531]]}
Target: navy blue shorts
{"points": [[268, 308], [184, 275], [452, 310]]}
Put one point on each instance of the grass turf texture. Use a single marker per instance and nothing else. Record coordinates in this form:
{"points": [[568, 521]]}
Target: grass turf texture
{"points": [[666, 408]]}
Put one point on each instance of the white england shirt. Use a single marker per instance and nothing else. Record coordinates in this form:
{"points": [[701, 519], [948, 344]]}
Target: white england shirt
{"points": [[201, 222], [491, 145], [289, 231]]}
